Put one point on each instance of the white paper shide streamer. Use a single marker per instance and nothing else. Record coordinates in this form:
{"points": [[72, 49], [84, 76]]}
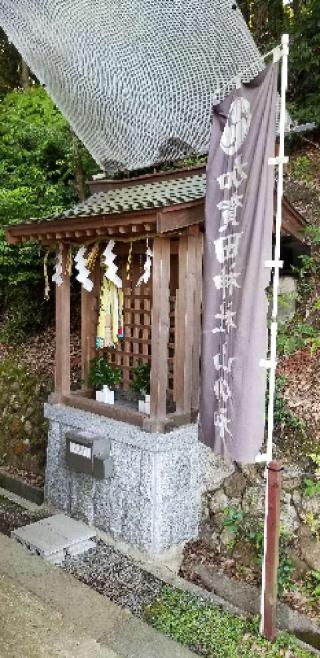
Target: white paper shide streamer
{"points": [[111, 267], [83, 271], [57, 277], [146, 274]]}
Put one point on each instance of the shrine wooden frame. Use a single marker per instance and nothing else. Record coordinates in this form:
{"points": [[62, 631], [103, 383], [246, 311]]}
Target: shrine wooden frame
{"points": [[172, 229]]}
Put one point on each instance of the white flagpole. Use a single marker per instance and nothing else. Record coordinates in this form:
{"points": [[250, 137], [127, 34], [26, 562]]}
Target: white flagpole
{"points": [[279, 161], [268, 600]]}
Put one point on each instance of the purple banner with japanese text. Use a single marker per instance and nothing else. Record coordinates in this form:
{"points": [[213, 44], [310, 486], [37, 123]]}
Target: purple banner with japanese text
{"points": [[238, 242]]}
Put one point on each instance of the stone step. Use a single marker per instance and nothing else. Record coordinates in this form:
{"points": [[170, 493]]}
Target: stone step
{"points": [[55, 537]]}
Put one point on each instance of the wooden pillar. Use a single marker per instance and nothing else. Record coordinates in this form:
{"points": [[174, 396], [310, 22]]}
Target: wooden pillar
{"points": [[89, 319], [185, 320], [62, 364], [127, 320], [160, 322], [271, 552], [197, 309]]}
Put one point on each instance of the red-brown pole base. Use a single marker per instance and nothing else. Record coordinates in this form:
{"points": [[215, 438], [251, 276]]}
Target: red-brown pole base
{"points": [[271, 554]]}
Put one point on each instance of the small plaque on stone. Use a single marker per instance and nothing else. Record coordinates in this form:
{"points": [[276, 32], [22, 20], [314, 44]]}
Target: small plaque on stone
{"points": [[79, 452], [78, 449]]}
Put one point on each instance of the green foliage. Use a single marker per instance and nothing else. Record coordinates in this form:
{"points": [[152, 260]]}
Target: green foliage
{"points": [[10, 63], [300, 168], [233, 519], [22, 428], [312, 520], [296, 336], [268, 20], [247, 529], [312, 586], [213, 633], [304, 88], [313, 232], [102, 374], [285, 571], [312, 487], [283, 416], [141, 379], [26, 312], [308, 273], [37, 178]]}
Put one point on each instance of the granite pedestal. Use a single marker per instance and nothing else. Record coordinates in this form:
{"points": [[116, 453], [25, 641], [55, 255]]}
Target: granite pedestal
{"points": [[150, 498]]}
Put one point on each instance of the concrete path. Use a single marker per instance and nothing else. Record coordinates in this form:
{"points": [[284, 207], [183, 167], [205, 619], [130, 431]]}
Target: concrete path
{"points": [[46, 613], [29, 628]]}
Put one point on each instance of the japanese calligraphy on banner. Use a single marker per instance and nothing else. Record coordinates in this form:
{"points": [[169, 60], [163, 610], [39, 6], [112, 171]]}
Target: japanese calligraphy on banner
{"points": [[238, 241]]}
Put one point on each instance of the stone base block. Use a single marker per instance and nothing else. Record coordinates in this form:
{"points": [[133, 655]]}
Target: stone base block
{"points": [[151, 499], [55, 537]]}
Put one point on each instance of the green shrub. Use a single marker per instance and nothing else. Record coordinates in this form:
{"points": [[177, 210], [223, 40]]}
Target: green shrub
{"points": [[141, 379], [103, 374]]}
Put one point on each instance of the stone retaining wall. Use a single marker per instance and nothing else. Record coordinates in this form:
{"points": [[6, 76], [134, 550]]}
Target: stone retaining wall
{"points": [[226, 485]]}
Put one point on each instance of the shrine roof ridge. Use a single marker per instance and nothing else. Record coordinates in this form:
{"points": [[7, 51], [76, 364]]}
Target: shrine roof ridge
{"points": [[138, 207]]}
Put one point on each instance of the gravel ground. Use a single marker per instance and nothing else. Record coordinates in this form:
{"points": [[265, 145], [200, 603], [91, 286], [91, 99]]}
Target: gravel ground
{"points": [[103, 568], [35, 479], [116, 576], [13, 516]]}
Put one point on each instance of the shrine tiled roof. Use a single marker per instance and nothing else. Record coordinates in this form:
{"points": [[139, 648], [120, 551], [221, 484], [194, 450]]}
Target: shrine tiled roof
{"points": [[158, 206], [143, 196]]}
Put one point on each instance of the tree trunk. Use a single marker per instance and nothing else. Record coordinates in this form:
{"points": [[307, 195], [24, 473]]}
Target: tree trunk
{"points": [[244, 5], [24, 75], [296, 8], [80, 183]]}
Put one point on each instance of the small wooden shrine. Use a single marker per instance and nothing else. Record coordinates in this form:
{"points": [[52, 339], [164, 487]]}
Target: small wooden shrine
{"points": [[162, 316]]}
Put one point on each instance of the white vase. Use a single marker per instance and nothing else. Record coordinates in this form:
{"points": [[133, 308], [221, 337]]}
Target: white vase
{"points": [[144, 405], [106, 395], [147, 405]]}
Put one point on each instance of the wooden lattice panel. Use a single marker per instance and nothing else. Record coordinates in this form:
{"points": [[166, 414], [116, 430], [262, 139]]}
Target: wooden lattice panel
{"points": [[135, 347]]}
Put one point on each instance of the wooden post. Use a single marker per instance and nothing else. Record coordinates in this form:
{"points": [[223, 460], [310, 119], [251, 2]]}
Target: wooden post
{"points": [[127, 321], [196, 348], [184, 336], [62, 365], [271, 552], [89, 318], [160, 322]]}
